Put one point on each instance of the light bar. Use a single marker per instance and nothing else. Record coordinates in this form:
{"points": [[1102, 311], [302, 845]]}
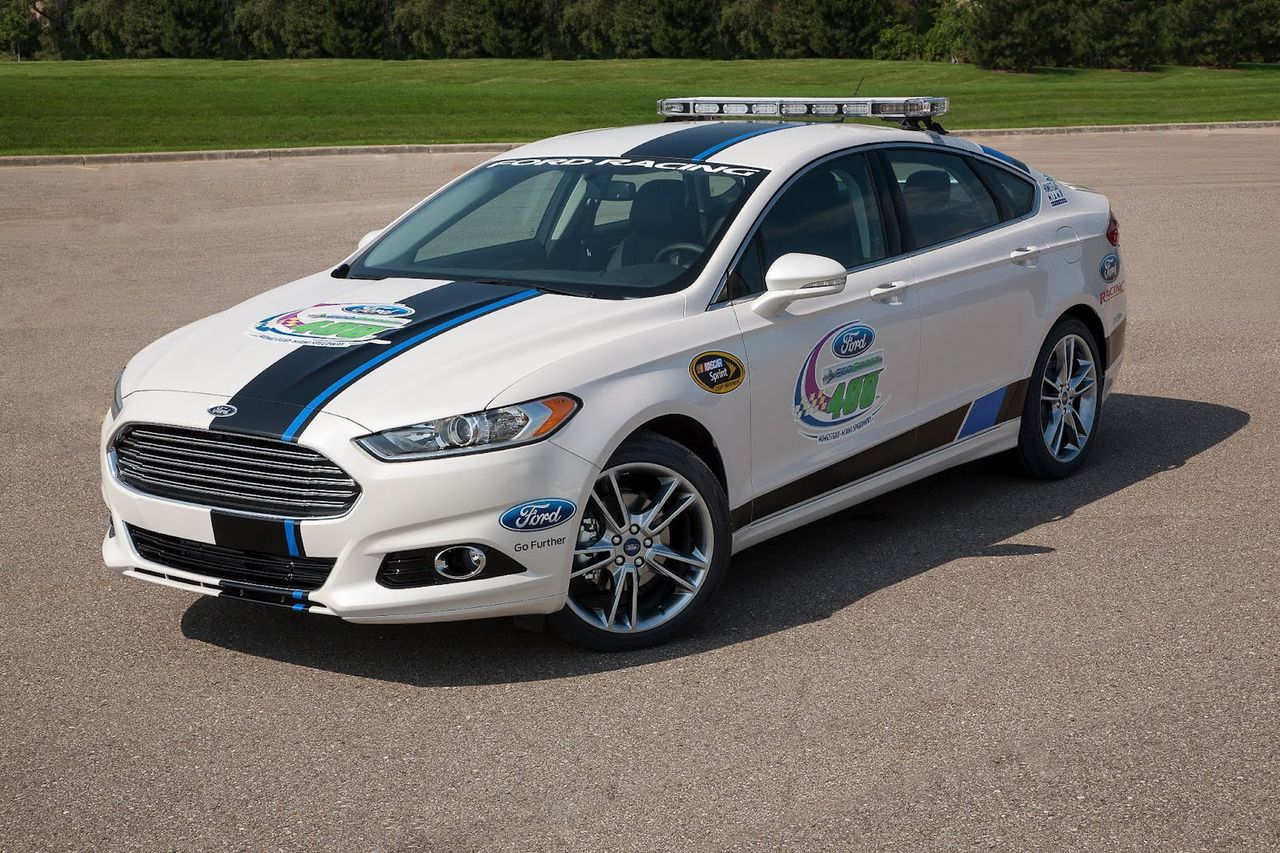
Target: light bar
{"points": [[885, 108]]}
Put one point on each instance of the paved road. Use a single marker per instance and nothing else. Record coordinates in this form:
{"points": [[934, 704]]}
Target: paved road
{"points": [[976, 661]]}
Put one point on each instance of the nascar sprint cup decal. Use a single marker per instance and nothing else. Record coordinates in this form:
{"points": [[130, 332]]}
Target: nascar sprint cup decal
{"points": [[333, 325], [838, 390]]}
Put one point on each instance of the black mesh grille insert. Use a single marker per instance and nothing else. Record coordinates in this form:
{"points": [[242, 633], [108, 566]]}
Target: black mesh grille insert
{"points": [[271, 570]]}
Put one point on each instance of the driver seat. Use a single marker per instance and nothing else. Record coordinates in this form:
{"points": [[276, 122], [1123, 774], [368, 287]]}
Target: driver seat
{"points": [[659, 217]]}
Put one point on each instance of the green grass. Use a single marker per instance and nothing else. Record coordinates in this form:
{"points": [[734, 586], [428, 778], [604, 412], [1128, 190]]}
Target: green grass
{"points": [[163, 105]]}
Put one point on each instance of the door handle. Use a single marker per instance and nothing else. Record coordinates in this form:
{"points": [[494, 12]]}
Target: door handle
{"points": [[890, 293], [1025, 255]]}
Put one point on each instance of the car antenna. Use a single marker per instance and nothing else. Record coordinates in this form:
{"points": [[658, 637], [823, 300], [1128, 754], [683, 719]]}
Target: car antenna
{"points": [[856, 90]]}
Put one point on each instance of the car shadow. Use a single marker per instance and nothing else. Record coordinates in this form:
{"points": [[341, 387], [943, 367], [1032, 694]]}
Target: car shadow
{"points": [[803, 576]]}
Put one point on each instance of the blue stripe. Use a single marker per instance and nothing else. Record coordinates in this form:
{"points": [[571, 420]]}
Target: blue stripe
{"points": [[702, 155], [982, 413], [291, 537], [298, 595], [299, 607], [333, 390]]}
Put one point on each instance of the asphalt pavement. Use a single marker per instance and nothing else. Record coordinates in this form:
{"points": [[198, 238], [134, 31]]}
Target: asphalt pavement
{"points": [[976, 661]]}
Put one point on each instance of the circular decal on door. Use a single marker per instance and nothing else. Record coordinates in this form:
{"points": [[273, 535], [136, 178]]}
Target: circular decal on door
{"points": [[717, 372], [838, 391]]}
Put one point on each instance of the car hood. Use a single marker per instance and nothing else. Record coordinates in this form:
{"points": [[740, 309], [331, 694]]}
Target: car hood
{"points": [[379, 353]]}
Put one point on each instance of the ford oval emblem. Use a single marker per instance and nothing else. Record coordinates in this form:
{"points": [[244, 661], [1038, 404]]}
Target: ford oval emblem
{"points": [[1109, 268], [223, 411], [853, 340], [538, 515], [394, 309]]}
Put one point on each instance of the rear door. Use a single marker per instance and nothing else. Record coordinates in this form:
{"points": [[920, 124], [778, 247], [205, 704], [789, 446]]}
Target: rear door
{"points": [[975, 257]]}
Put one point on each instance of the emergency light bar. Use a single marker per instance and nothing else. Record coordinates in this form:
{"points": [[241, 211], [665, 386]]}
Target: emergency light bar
{"points": [[890, 109]]}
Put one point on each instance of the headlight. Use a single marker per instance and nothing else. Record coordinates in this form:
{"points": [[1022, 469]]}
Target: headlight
{"points": [[491, 429], [117, 400]]}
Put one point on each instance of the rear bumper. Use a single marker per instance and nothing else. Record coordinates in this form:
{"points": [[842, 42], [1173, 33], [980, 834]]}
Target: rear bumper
{"points": [[403, 507]]}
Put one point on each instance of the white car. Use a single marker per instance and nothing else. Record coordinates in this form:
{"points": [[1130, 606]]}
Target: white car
{"points": [[579, 377]]}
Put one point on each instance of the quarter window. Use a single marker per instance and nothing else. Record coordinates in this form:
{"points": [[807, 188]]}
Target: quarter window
{"points": [[942, 196], [1019, 194]]}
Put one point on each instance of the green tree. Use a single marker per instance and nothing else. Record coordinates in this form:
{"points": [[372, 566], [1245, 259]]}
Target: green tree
{"points": [[194, 28], [1118, 33], [1224, 32], [1015, 35], [19, 29]]}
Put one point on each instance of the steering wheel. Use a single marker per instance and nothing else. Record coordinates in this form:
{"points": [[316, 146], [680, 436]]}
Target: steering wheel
{"points": [[671, 253]]}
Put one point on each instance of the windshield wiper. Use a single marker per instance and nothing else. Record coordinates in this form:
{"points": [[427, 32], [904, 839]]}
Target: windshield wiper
{"points": [[541, 288]]}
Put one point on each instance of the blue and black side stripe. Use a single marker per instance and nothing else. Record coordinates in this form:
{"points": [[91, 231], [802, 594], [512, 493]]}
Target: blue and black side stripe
{"points": [[701, 140], [1001, 405]]}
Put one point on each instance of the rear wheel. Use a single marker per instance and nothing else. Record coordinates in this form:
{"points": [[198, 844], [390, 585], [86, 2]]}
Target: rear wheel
{"points": [[1063, 408], [652, 547]]}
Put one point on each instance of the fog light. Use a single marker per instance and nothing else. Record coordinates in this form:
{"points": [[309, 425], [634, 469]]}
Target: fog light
{"points": [[460, 563]]}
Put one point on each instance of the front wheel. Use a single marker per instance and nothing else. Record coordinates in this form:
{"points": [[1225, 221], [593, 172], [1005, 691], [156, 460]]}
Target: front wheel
{"points": [[1063, 408], [652, 547]]}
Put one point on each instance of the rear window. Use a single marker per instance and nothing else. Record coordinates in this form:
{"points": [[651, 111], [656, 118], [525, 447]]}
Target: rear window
{"points": [[942, 196]]}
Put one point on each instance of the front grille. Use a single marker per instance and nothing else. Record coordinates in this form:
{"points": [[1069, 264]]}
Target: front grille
{"points": [[232, 471], [231, 564]]}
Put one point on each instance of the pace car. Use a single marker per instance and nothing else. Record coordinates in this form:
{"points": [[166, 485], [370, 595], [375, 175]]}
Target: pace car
{"points": [[574, 381]]}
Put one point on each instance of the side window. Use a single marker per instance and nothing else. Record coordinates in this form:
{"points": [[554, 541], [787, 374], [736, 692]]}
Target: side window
{"points": [[1019, 193], [943, 197], [830, 211]]}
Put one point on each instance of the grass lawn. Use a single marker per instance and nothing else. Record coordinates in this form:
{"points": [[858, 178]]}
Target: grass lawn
{"points": [[163, 105]]}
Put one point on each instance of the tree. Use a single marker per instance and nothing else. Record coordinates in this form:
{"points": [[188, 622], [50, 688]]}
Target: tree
{"points": [[19, 30], [1015, 35], [1224, 32], [1118, 33]]}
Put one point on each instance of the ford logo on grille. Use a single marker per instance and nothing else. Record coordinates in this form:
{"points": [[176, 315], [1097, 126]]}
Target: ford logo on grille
{"points": [[538, 515], [223, 411]]}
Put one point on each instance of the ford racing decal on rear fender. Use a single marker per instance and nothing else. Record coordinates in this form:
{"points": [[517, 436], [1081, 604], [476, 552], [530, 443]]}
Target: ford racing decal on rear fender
{"points": [[538, 515], [717, 372], [838, 390]]}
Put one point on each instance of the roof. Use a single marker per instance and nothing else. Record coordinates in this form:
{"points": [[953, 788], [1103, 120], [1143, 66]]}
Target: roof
{"points": [[759, 144]]}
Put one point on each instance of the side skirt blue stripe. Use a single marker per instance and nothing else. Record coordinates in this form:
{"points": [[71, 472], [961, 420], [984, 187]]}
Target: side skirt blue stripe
{"points": [[308, 411], [982, 413]]}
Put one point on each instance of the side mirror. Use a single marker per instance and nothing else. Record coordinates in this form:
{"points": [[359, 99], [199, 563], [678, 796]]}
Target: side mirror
{"points": [[795, 276], [368, 238]]}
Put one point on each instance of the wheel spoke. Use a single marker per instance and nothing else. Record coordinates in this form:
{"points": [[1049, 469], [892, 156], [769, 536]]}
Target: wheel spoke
{"points": [[684, 504], [1083, 382], [617, 495], [668, 489], [1048, 398], [635, 602], [599, 564], [667, 573], [619, 586], [608, 516], [696, 560], [1077, 426], [1065, 356], [1059, 434]]}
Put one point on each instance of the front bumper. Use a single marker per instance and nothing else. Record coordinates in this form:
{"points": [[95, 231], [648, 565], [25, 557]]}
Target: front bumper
{"points": [[403, 507]]}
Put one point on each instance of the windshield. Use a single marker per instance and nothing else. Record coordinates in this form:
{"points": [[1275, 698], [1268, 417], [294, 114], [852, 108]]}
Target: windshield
{"points": [[603, 227]]}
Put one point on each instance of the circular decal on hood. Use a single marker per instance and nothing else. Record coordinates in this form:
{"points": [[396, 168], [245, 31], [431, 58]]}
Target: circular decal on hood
{"points": [[225, 411], [333, 324], [838, 389], [717, 372]]}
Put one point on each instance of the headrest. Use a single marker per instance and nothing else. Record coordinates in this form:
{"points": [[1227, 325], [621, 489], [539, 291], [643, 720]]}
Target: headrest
{"points": [[659, 209], [929, 188]]}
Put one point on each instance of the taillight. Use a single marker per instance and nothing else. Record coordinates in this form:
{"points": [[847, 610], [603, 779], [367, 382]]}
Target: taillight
{"points": [[1113, 230]]}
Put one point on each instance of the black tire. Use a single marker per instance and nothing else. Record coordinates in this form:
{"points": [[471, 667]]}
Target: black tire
{"points": [[1033, 452], [651, 448]]}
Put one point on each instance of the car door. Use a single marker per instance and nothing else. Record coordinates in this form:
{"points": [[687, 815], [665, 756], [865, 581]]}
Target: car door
{"points": [[977, 272], [834, 376]]}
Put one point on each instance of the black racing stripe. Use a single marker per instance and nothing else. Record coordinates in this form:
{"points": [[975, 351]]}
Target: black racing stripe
{"points": [[271, 402], [692, 139], [250, 534], [1015, 396], [926, 438], [1115, 342]]}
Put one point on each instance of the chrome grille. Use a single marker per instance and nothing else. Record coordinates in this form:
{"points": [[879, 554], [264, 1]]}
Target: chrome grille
{"points": [[231, 471]]}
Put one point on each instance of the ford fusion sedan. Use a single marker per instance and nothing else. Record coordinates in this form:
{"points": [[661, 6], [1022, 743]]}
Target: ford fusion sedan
{"points": [[575, 380]]}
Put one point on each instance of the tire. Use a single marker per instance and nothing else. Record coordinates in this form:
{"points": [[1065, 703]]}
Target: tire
{"points": [[1062, 410], [626, 589]]}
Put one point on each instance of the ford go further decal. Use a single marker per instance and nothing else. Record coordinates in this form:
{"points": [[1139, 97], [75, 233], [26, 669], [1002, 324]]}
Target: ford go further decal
{"points": [[333, 325], [538, 515], [838, 390]]}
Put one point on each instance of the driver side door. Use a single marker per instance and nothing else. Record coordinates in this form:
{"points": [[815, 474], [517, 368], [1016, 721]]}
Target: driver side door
{"points": [[833, 379]]}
